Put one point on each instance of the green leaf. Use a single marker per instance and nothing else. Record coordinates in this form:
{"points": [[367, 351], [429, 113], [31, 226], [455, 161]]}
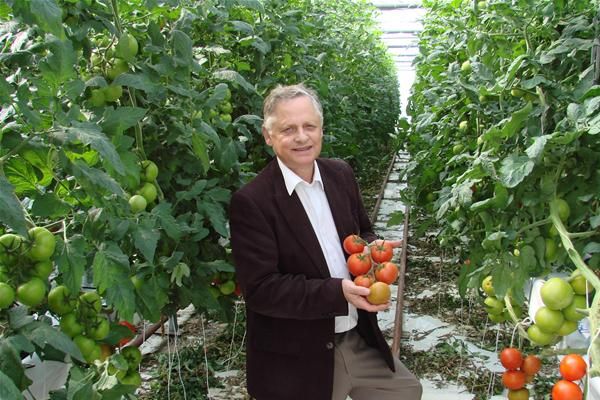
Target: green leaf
{"points": [[591, 247], [396, 218], [514, 169], [595, 221], [48, 205], [41, 334], [10, 365], [80, 384], [227, 156], [145, 238], [151, 299], [514, 124], [233, 76], [200, 151], [166, 220], [180, 271], [216, 215], [536, 149], [72, 262], [93, 179], [8, 389], [252, 4], [243, 27], [121, 118], [182, 47], [21, 174], [11, 212], [111, 277], [59, 66], [139, 81], [48, 15]]}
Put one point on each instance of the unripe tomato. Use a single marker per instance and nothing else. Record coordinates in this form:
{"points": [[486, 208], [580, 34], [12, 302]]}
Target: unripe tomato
{"points": [[148, 190], [493, 305], [539, 337], [10, 248], [119, 67], [519, 394], [466, 66], [133, 355], [567, 328], [7, 295], [380, 293], [562, 207], [32, 292], [149, 171], [99, 328], [227, 287], [579, 283], [127, 47], [97, 98], [43, 244], [90, 303], [60, 301], [570, 312], [556, 293], [549, 320], [70, 325], [137, 203], [132, 378], [487, 287], [43, 269], [112, 92]]}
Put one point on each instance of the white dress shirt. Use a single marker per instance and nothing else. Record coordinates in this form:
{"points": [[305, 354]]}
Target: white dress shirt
{"points": [[313, 198]]}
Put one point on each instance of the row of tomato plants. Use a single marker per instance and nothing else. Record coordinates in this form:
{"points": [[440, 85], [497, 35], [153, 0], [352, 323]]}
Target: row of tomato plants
{"points": [[505, 147], [126, 125]]}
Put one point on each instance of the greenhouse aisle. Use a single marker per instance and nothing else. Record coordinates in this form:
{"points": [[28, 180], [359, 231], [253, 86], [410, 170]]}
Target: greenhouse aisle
{"points": [[400, 24]]}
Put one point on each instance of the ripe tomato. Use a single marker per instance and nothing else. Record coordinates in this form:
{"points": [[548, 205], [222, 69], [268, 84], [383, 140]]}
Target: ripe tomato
{"points": [[381, 252], [128, 337], [380, 293], [514, 380], [359, 264], [364, 280], [511, 358], [531, 365], [573, 367], [566, 390], [386, 272], [354, 244]]}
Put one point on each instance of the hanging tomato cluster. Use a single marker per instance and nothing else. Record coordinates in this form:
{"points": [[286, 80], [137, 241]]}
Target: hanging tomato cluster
{"points": [[572, 368], [519, 371], [372, 268]]}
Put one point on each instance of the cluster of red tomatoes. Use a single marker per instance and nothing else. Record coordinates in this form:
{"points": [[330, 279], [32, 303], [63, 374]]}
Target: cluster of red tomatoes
{"points": [[519, 371], [371, 268], [572, 368]]}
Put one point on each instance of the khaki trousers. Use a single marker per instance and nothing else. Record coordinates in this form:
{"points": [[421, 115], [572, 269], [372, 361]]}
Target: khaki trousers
{"points": [[361, 373]]}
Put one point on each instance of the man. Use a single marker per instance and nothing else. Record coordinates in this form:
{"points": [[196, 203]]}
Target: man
{"points": [[311, 333]]}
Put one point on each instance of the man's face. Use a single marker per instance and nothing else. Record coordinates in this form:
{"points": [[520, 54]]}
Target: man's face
{"points": [[296, 134]]}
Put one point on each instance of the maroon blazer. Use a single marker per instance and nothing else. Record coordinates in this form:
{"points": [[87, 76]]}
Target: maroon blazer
{"points": [[291, 299]]}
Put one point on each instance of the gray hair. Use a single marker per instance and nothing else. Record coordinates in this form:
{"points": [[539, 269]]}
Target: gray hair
{"points": [[281, 93]]}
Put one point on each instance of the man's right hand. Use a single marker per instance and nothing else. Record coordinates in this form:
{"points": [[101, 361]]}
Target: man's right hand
{"points": [[357, 296]]}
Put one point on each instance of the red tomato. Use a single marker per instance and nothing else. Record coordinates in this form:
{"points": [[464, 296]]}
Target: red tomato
{"points": [[511, 358], [573, 367], [127, 338], [364, 280], [531, 365], [566, 390], [514, 380], [359, 264], [354, 244], [381, 252], [386, 272]]}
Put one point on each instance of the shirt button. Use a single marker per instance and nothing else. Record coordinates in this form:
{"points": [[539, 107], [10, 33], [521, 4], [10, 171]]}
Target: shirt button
{"points": [[329, 345]]}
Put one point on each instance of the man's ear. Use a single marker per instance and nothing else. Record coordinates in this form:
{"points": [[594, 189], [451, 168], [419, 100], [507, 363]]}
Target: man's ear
{"points": [[266, 135]]}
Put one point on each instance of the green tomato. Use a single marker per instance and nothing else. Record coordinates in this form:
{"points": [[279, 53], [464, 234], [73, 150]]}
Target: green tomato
{"points": [[226, 118], [539, 337], [132, 378], [70, 325], [579, 283], [463, 125], [119, 67], [89, 348], [43, 244], [226, 107], [32, 292], [90, 303], [60, 301], [550, 250], [99, 328], [43, 269], [493, 305], [563, 208], [497, 318], [137, 203], [10, 248], [516, 92], [97, 98], [133, 355], [148, 191], [549, 320], [466, 66], [113, 92], [7, 295], [127, 47], [149, 171], [556, 293], [487, 286], [567, 328], [570, 312], [227, 288]]}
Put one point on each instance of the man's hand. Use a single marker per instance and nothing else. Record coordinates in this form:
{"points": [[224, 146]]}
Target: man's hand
{"points": [[357, 296], [395, 243]]}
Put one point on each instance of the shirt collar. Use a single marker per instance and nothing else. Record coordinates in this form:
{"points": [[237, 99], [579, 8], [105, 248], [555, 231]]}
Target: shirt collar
{"points": [[292, 180]]}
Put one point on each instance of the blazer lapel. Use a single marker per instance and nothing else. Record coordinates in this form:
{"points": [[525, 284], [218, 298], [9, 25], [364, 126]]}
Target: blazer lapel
{"points": [[337, 202], [292, 210]]}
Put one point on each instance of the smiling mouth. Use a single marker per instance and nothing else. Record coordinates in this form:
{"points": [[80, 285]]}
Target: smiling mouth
{"points": [[303, 148]]}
